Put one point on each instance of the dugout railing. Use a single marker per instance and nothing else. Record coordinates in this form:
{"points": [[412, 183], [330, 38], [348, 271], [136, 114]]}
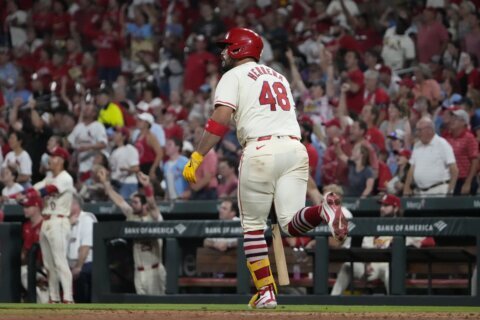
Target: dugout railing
{"points": [[174, 231]]}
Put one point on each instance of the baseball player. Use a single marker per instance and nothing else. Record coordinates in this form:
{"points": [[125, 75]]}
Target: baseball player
{"points": [[274, 164], [32, 208], [150, 274], [57, 191]]}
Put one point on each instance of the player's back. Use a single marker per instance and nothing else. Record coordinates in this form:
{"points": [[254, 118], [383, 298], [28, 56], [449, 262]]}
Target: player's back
{"points": [[262, 99]]}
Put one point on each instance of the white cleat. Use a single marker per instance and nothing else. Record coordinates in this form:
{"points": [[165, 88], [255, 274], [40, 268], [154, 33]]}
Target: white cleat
{"points": [[264, 299]]}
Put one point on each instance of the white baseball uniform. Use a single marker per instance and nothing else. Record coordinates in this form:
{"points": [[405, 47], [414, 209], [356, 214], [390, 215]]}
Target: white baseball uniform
{"points": [[274, 165], [84, 135], [55, 233], [150, 274]]}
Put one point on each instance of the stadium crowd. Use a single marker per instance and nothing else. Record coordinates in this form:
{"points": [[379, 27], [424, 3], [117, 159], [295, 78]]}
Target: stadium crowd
{"points": [[386, 91]]}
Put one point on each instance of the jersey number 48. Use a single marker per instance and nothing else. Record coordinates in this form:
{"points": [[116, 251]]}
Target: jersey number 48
{"points": [[277, 97]]}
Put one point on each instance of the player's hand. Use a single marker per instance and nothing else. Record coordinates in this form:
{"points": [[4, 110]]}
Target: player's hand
{"points": [[143, 179], [191, 167]]}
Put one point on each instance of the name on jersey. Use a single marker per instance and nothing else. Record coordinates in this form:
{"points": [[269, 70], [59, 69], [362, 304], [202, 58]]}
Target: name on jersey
{"points": [[256, 72]]}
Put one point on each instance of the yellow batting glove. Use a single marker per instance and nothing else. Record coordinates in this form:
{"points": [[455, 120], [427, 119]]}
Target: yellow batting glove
{"points": [[191, 167]]}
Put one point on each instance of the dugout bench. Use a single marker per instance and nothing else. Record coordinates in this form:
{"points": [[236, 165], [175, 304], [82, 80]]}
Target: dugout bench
{"points": [[427, 268], [173, 231]]}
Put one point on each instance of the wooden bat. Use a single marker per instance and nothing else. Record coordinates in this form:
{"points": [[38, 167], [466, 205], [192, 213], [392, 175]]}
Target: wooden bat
{"points": [[280, 261]]}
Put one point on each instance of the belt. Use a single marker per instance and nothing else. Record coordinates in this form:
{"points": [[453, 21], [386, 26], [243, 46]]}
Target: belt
{"points": [[154, 266], [48, 216], [433, 186], [264, 138]]}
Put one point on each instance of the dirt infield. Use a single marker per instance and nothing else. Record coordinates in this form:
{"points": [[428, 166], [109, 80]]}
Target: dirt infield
{"points": [[217, 315]]}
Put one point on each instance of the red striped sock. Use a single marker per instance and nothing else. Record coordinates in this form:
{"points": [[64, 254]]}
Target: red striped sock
{"points": [[304, 220], [256, 249]]}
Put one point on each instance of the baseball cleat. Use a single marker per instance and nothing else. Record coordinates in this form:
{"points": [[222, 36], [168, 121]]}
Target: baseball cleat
{"points": [[331, 213], [264, 299]]}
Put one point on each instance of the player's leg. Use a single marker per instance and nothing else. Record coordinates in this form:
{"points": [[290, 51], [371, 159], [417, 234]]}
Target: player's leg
{"points": [[290, 195], [58, 238], [344, 276], [47, 255], [255, 195], [137, 279], [162, 278]]}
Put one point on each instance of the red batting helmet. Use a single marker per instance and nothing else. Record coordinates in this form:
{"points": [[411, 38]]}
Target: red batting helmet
{"points": [[242, 43]]}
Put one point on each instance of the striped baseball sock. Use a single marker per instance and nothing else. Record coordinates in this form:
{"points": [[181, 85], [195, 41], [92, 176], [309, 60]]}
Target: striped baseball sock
{"points": [[256, 249], [304, 220]]}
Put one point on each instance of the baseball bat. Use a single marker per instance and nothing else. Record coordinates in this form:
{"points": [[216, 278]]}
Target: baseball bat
{"points": [[279, 252]]}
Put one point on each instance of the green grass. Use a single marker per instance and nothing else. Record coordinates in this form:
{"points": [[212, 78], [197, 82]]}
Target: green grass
{"points": [[235, 307]]}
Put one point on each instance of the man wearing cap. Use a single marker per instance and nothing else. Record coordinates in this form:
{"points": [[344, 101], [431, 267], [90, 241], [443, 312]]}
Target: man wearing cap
{"points": [[465, 148], [57, 190], [396, 143], [433, 166], [149, 150], [390, 207], [32, 208], [124, 163], [88, 137]]}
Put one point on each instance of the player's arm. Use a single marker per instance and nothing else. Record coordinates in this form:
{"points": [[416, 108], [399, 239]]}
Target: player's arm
{"points": [[215, 129], [148, 190], [116, 198]]}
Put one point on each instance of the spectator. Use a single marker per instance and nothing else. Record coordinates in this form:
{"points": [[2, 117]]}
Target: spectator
{"points": [[124, 163], [9, 176], [226, 212], [360, 174], [227, 178], [176, 186], [333, 170], [465, 149], [371, 115], [149, 149], [8, 75], [374, 94], [196, 65], [88, 136], [432, 36], [32, 209], [356, 82], [396, 143], [110, 114], [180, 112], [340, 10], [397, 120], [18, 159], [79, 250], [468, 75], [397, 183], [108, 43], [472, 41], [390, 207], [140, 31], [149, 274], [432, 166], [398, 49], [389, 81], [209, 25], [171, 127], [426, 86]]}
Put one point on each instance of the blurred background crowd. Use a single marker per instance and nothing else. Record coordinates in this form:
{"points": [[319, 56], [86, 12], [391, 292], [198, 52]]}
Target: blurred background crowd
{"points": [[381, 87]]}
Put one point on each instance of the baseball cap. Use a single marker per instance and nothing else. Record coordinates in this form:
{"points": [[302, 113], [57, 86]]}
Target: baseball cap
{"points": [[385, 69], [60, 152], [408, 82], [124, 131], [404, 153], [333, 123], [390, 200], [398, 134], [461, 114], [145, 116], [32, 201]]}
